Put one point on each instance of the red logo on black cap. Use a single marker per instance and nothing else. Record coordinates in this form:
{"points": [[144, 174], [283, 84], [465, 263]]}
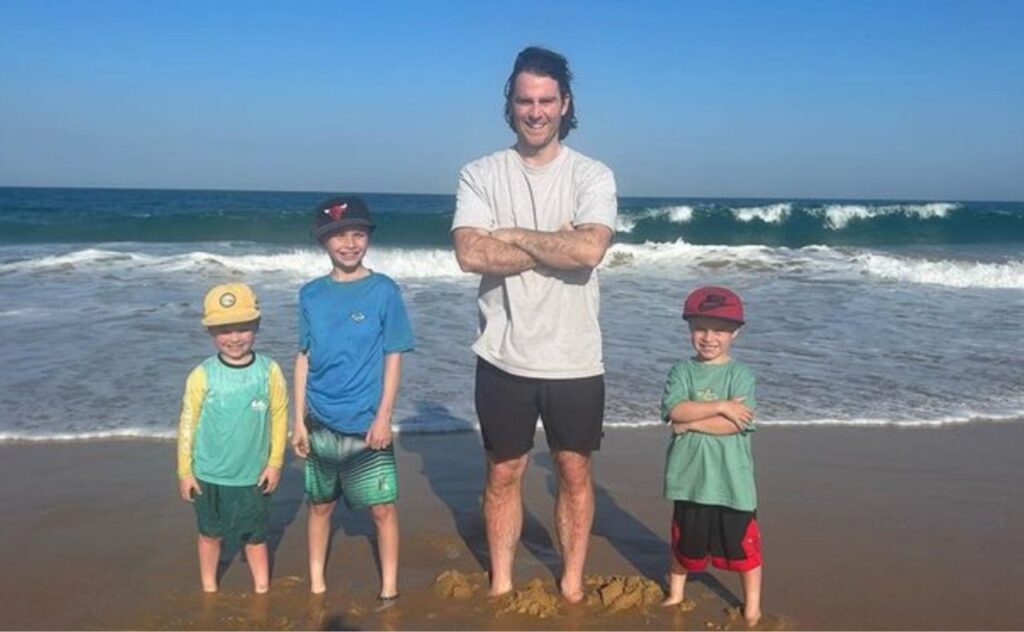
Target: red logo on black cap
{"points": [[337, 211]]}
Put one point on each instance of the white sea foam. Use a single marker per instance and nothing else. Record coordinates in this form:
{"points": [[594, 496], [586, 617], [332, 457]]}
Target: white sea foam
{"points": [[858, 422], [679, 214], [95, 435], [673, 256], [428, 264], [441, 426], [771, 214], [396, 262], [87, 258], [959, 274], [838, 216], [625, 224]]}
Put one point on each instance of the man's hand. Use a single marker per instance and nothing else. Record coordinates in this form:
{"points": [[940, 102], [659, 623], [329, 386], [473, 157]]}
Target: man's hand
{"points": [[188, 487], [378, 436], [300, 440], [269, 479], [737, 412]]}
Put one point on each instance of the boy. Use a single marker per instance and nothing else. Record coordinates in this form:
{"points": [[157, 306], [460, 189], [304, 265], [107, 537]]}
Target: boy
{"points": [[231, 436], [709, 471], [353, 329]]}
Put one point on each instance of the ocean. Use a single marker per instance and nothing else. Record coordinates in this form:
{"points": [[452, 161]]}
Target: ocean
{"points": [[860, 313]]}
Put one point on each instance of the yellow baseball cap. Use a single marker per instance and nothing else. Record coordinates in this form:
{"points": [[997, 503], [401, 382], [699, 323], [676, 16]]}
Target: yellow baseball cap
{"points": [[230, 304]]}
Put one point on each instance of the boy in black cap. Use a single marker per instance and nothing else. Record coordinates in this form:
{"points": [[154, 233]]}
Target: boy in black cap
{"points": [[709, 471], [353, 329]]}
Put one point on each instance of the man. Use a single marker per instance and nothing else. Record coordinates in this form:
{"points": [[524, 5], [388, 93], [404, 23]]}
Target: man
{"points": [[534, 221]]}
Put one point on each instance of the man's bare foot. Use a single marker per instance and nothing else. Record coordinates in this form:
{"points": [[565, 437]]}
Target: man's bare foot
{"points": [[261, 590], [672, 600], [318, 587], [571, 593], [499, 591]]}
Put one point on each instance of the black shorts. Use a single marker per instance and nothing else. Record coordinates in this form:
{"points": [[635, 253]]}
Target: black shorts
{"points": [[572, 411], [728, 537]]}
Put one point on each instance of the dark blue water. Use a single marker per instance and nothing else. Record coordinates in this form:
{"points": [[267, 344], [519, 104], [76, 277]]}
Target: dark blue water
{"points": [[30, 216]]}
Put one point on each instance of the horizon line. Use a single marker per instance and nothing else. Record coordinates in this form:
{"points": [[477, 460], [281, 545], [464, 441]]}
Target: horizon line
{"points": [[452, 194]]}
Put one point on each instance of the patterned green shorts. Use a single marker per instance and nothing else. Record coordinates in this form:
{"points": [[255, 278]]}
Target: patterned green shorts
{"points": [[343, 466], [233, 513]]}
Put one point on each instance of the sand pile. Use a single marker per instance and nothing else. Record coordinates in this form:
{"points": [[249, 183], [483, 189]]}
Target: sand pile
{"points": [[615, 593], [455, 585], [533, 599]]}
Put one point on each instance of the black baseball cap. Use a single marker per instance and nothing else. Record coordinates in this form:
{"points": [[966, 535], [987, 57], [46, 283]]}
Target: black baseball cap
{"points": [[338, 213]]}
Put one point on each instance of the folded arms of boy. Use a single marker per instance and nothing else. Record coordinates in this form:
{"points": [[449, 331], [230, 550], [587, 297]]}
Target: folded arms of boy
{"points": [[719, 417]]}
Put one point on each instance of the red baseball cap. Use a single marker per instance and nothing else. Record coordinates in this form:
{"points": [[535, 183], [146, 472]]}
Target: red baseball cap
{"points": [[715, 302]]}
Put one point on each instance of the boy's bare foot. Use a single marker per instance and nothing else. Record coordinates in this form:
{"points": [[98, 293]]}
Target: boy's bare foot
{"points": [[317, 587], [209, 588], [262, 589], [752, 619], [672, 600]]}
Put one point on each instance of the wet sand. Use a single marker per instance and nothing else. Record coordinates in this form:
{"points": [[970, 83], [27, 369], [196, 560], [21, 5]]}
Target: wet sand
{"points": [[863, 529]]}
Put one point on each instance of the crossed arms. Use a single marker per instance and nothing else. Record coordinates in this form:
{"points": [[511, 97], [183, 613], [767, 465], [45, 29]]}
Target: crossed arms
{"points": [[720, 417], [508, 251]]}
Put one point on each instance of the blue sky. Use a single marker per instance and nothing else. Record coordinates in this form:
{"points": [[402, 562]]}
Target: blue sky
{"points": [[919, 100]]}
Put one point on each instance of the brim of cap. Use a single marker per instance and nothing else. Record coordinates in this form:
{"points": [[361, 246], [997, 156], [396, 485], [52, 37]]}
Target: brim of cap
{"points": [[233, 318], [731, 320], [322, 231]]}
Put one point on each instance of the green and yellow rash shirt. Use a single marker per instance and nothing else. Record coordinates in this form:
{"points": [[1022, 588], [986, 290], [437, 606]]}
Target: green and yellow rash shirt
{"points": [[233, 421], [706, 468]]}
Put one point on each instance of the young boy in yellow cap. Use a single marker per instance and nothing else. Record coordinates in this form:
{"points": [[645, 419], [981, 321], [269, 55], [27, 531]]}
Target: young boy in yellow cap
{"points": [[231, 436]]}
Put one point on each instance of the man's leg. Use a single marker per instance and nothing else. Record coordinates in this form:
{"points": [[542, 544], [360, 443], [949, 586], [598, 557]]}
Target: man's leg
{"points": [[503, 515], [574, 516]]}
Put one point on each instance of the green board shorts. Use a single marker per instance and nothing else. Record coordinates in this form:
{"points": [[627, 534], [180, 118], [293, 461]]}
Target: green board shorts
{"points": [[343, 466], [232, 513]]}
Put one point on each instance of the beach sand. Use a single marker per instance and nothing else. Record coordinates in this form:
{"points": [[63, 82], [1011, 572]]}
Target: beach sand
{"points": [[878, 528]]}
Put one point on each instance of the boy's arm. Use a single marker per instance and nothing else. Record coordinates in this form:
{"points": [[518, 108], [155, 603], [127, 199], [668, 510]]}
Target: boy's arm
{"points": [[570, 248], [721, 417], [188, 424], [278, 416], [379, 435], [300, 436]]}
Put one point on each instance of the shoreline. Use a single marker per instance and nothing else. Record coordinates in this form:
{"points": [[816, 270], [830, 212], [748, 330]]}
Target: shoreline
{"points": [[878, 528]]}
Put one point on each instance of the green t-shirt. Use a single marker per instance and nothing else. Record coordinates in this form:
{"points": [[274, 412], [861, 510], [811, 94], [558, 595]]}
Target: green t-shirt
{"points": [[704, 468], [230, 416]]}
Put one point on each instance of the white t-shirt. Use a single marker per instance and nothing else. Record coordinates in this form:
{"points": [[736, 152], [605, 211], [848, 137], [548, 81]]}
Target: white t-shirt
{"points": [[542, 322]]}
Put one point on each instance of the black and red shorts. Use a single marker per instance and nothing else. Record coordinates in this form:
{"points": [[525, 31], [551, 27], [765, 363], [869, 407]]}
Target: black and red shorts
{"points": [[729, 538]]}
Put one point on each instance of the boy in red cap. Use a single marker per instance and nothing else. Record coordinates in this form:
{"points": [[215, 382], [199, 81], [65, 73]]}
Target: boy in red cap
{"points": [[709, 471]]}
